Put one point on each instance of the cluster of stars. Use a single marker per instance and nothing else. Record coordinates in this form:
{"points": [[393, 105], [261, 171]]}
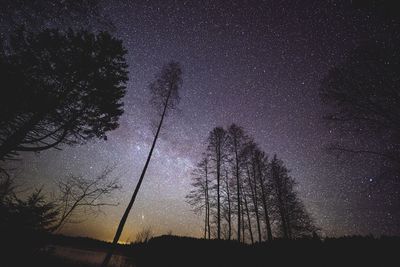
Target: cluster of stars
{"points": [[255, 63]]}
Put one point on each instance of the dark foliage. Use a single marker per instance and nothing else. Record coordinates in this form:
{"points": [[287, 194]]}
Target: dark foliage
{"points": [[40, 14], [25, 224], [362, 93], [59, 89]]}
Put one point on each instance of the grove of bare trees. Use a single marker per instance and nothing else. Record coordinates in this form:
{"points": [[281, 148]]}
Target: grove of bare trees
{"points": [[239, 189]]}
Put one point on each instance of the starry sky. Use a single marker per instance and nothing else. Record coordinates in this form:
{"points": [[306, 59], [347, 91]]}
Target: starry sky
{"points": [[254, 63]]}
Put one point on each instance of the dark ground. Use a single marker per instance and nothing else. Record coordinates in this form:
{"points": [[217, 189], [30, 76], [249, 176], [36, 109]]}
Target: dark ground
{"points": [[185, 251]]}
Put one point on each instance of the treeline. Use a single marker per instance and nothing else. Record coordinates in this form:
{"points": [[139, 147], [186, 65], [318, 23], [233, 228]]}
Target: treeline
{"points": [[183, 251], [245, 195]]}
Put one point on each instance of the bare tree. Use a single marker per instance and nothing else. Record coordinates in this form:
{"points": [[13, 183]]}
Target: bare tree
{"points": [[362, 99], [80, 195], [144, 235], [198, 197], [294, 221], [279, 186], [260, 164], [246, 206], [251, 183], [165, 97], [217, 149], [236, 140], [267, 196], [228, 212]]}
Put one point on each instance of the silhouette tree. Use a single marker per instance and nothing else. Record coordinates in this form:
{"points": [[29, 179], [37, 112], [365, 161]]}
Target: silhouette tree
{"points": [[295, 221], [144, 235], [165, 97], [280, 187], [59, 89], [227, 207], [236, 140], [24, 223], [199, 197], [38, 214], [248, 165], [217, 142], [266, 191], [260, 165], [363, 97], [80, 195], [247, 210]]}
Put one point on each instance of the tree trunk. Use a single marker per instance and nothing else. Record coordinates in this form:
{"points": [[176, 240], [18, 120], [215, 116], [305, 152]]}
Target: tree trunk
{"points": [[207, 205], [281, 209], [248, 216], [237, 187], [254, 198], [264, 202], [121, 225], [205, 214], [218, 150], [229, 207], [243, 226]]}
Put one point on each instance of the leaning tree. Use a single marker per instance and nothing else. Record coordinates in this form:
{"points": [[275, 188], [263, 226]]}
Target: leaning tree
{"points": [[165, 97]]}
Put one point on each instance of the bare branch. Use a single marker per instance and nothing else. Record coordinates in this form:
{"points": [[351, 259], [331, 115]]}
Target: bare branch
{"points": [[79, 195]]}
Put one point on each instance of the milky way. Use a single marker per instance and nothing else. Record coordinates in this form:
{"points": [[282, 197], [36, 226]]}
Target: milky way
{"points": [[255, 63]]}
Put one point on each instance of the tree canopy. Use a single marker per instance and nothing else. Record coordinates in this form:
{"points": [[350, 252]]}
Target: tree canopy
{"points": [[59, 88], [363, 96], [39, 14]]}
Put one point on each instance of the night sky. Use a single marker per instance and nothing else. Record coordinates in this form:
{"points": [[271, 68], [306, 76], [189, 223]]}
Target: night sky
{"points": [[255, 63]]}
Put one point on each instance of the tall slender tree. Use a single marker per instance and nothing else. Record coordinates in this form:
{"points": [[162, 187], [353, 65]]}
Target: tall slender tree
{"points": [[207, 196], [236, 139], [198, 197], [228, 202], [217, 149], [165, 97], [246, 206], [254, 198], [278, 185], [260, 162]]}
